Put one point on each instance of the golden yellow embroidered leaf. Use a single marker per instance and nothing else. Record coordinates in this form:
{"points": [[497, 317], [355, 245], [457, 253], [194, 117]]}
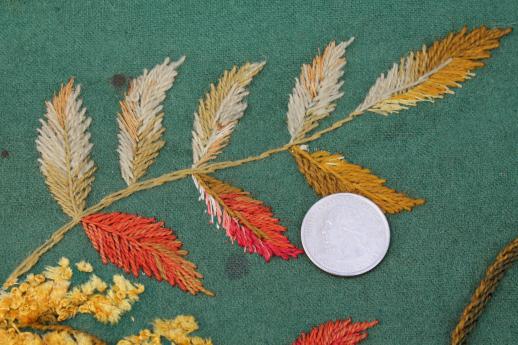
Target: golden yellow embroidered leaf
{"points": [[64, 146], [328, 174], [431, 72], [219, 112]]}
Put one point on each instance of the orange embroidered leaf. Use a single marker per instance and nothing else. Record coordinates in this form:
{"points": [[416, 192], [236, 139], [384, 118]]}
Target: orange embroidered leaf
{"points": [[328, 174], [340, 332], [136, 243], [430, 73], [246, 220]]}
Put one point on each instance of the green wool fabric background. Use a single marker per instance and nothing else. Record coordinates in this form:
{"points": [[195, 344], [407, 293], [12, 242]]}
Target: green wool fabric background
{"points": [[459, 153]]}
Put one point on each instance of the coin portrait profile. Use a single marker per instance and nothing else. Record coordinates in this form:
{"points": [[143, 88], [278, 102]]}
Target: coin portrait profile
{"points": [[345, 234]]}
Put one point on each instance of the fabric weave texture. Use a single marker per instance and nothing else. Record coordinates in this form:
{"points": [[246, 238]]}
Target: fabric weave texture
{"points": [[458, 153]]}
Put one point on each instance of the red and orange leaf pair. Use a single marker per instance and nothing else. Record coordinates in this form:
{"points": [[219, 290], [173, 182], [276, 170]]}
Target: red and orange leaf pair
{"points": [[245, 220], [340, 332], [136, 243]]}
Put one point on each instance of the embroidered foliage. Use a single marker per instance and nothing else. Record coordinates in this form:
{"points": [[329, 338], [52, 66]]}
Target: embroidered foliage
{"points": [[44, 300], [136, 243], [177, 331], [340, 332], [140, 119], [53, 336], [32, 312], [328, 174], [431, 72], [64, 146], [245, 220], [220, 111], [316, 90]]}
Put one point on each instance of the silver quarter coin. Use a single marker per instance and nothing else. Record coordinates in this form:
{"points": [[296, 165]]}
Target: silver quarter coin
{"points": [[345, 234]]}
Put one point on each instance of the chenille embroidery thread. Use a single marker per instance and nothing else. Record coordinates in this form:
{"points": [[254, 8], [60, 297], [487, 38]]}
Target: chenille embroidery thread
{"points": [[339, 332], [32, 312], [483, 293], [136, 243], [43, 301], [64, 146], [177, 331], [245, 219]]}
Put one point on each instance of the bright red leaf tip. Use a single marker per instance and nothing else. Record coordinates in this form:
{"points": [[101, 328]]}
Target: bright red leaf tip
{"points": [[340, 332], [136, 243]]}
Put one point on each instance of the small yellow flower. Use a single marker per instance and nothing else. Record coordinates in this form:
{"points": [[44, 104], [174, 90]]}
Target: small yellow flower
{"points": [[48, 298], [62, 272], [84, 266], [177, 331]]}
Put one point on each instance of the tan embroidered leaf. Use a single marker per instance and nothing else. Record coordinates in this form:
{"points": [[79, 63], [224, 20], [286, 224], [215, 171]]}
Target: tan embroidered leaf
{"points": [[219, 112], [431, 72], [64, 146], [140, 119], [328, 174], [316, 90]]}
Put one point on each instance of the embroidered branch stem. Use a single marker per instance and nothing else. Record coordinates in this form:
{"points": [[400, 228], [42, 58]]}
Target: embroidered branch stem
{"points": [[64, 145], [494, 274], [58, 235]]}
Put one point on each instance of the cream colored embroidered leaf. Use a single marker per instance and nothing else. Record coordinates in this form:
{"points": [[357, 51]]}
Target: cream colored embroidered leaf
{"points": [[140, 119], [219, 112], [316, 90], [64, 146], [431, 72]]}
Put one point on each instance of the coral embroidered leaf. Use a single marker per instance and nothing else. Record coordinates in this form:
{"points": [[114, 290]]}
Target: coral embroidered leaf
{"points": [[64, 146], [136, 243], [316, 90], [328, 174], [431, 72], [340, 332], [246, 220], [220, 111], [140, 119]]}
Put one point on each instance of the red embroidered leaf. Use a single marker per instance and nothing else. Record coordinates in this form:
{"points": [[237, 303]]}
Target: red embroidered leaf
{"points": [[340, 332], [246, 220], [136, 243]]}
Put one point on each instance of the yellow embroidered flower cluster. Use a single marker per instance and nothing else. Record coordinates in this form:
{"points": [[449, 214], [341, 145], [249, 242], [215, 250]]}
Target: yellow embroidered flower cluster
{"points": [[62, 337], [177, 331], [46, 299]]}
